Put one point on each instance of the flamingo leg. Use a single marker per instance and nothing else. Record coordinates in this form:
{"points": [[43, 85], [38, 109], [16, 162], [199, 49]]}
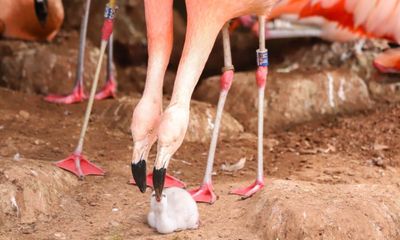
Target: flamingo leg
{"points": [[205, 193], [147, 114], [77, 163], [110, 88], [78, 94], [261, 77]]}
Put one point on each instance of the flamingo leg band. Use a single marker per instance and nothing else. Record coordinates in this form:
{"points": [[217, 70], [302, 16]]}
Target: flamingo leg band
{"points": [[262, 71], [262, 58], [108, 24]]}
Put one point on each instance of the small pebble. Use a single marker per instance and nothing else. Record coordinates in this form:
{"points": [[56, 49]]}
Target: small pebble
{"points": [[24, 114], [27, 228], [114, 223], [17, 157], [115, 209], [60, 235]]}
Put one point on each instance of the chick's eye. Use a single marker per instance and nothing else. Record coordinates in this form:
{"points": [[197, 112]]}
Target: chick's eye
{"points": [[164, 195], [153, 195]]}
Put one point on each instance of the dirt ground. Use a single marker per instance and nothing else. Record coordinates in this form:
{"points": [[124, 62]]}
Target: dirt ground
{"points": [[341, 172], [337, 177]]}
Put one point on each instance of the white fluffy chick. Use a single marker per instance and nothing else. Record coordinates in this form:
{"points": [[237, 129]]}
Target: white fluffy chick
{"points": [[175, 211]]}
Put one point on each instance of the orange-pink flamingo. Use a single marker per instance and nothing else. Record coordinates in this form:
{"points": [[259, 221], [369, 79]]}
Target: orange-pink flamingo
{"points": [[344, 20], [34, 20], [205, 19]]}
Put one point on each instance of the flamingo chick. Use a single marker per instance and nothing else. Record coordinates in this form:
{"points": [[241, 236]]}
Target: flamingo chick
{"points": [[174, 211], [78, 93], [33, 20], [205, 18]]}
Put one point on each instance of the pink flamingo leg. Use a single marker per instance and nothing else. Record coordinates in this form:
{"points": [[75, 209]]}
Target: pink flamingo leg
{"points": [[77, 94], [77, 163], [205, 192], [110, 88], [261, 77]]}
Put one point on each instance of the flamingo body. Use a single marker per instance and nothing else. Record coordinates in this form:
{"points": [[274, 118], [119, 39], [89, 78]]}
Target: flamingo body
{"points": [[18, 20], [205, 19], [374, 18]]}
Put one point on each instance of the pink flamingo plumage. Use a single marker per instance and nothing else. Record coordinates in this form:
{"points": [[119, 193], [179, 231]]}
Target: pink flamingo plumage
{"points": [[375, 19], [34, 20], [344, 20]]}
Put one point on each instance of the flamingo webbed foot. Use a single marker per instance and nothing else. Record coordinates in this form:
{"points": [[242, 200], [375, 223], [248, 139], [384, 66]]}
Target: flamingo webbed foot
{"points": [[80, 166], [205, 193], [250, 190], [109, 90], [76, 96]]}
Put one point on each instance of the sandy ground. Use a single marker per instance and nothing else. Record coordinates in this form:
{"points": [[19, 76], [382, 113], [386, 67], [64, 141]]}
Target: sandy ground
{"points": [[339, 169], [335, 178]]}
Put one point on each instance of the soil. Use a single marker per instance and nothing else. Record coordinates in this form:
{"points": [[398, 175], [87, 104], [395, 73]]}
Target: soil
{"points": [[352, 161], [334, 177]]}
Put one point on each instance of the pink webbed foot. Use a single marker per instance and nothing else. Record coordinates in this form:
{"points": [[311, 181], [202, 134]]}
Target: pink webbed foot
{"points": [[250, 190], [388, 61], [386, 68], [204, 194], [80, 166], [108, 91], [170, 181], [76, 96]]}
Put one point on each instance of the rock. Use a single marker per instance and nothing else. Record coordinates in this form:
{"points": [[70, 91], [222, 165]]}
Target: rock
{"points": [[119, 114], [60, 235], [45, 68], [24, 114], [27, 228], [387, 92], [318, 211], [30, 191], [291, 98]]}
